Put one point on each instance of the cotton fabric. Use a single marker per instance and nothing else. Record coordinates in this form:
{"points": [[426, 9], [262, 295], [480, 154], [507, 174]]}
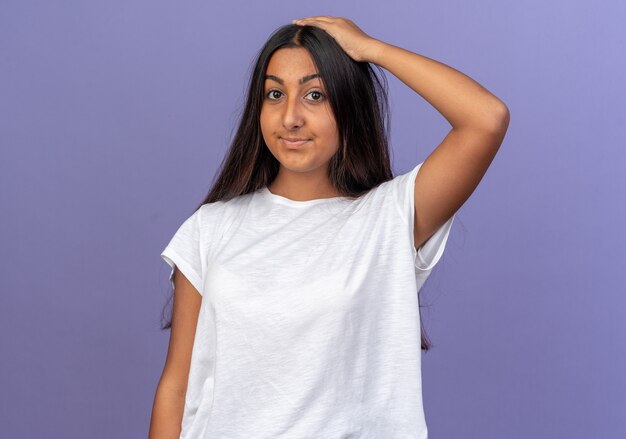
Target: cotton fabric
{"points": [[309, 324]]}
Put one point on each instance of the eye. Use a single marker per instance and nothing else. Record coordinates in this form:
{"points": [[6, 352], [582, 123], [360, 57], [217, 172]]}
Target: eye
{"points": [[270, 93], [318, 93]]}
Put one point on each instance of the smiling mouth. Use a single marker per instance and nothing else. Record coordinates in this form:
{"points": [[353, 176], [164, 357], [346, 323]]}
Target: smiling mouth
{"points": [[294, 142]]}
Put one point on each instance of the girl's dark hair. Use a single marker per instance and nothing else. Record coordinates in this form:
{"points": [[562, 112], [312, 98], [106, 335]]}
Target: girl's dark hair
{"points": [[358, 99]]}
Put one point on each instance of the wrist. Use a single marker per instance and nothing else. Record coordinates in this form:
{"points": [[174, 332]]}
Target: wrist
{"points": [[375, 50]]}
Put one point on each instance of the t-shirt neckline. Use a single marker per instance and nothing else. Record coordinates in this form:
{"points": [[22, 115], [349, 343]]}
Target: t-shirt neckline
{"points": [[279, 199]]}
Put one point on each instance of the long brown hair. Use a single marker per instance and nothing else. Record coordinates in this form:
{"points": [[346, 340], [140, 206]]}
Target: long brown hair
{"points": [[357, 92]]}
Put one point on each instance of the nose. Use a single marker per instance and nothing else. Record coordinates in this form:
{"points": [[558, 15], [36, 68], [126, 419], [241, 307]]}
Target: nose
{"points": [[293, 115]]}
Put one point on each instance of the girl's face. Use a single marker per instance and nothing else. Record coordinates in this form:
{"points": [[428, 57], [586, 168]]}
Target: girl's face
{"points": [[296, 107]]}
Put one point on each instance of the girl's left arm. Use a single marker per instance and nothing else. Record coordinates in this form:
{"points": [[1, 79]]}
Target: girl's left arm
{"points": [[479, 120], [461, 100]]}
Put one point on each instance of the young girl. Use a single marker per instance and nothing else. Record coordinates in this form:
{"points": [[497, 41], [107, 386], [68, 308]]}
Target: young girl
{"points": [[296, 280]]}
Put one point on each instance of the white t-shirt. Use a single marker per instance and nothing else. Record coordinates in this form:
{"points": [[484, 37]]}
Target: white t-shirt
{"points": [[309, 325]]}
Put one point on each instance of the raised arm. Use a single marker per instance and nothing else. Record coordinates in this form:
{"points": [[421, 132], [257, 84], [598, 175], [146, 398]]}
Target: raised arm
{"points": [[479, 120]]}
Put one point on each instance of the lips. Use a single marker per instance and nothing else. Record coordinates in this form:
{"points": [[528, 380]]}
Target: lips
{"points": [[289, 139], [293, 142]]}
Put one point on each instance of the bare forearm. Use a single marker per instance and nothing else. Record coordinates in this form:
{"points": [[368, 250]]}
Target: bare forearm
{"points": [[167, 413], [460, 99]]}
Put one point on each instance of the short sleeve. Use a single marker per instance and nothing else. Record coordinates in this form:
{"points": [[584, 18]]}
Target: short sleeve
{"points": [[185, 251], [429, 253]]}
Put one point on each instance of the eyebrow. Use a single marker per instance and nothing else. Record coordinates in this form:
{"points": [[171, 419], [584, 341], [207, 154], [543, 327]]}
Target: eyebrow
{"points": [[301, 81]]}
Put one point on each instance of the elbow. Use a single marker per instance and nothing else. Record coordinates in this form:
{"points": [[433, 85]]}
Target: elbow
{"points": [[502, 117], [499, 119]]}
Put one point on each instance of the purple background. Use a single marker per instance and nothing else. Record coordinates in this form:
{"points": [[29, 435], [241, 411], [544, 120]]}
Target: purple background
{"points": [[115, 115]]}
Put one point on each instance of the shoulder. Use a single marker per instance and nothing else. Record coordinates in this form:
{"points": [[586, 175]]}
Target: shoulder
{"points": [[399, 189], [212, 215]]}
